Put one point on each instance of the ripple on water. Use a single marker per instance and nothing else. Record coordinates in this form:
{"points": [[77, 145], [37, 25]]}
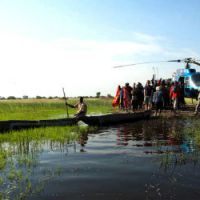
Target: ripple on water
{"points": [[143, 160]]}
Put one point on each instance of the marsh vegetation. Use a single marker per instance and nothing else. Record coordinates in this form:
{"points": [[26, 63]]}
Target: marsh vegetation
{"points": [[19, 156], [36, 109], [147, 158]]}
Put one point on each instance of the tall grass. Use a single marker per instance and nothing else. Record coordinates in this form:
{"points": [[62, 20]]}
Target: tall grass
{"points": [[33, 109]]}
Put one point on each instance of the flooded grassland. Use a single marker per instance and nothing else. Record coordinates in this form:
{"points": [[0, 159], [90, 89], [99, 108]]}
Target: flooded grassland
{"points": [[154, 159], [20, 158]]}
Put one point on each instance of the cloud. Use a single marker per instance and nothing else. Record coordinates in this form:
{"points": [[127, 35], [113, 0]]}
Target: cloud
{"points": [[108, 48], [82, 66], [145, 38]]}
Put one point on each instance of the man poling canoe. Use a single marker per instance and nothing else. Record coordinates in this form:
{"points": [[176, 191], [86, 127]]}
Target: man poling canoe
{"points": [[81, 106]]}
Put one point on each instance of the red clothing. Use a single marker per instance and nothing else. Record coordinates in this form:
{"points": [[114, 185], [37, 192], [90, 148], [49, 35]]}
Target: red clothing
{"points": [[174, 92], [127, 98], [116, 99], [118, 91]]}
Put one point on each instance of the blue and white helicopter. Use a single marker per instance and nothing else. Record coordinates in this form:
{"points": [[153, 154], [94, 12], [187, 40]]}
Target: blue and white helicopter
{"points": [[187, 76]]}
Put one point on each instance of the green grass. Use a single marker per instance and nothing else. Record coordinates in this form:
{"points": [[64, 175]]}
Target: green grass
{"points": [[190, 101], [33, 109], [36, 109], [25, 138]]}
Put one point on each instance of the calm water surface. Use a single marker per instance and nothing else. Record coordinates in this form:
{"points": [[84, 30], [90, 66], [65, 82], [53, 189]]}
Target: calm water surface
{"points": [[143, 160]]}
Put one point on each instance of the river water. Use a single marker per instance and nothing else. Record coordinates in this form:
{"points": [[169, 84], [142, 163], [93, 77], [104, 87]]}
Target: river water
{"points": [[143, 160]]}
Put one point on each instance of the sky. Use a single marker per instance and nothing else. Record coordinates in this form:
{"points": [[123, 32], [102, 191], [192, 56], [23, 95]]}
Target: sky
{"points": [[47, 45]]}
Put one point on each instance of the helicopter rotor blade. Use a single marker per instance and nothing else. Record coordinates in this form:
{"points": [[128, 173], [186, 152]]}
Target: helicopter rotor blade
{"points": [[195, 62], [174, 61], [119, 66], [185, 60]]}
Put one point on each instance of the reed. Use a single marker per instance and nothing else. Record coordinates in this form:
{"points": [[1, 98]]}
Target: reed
{"points": [[33, 109]]}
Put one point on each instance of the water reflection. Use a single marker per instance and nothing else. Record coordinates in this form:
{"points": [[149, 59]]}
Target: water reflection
{"points": [[83, 141], [166, 136], [152, 159], [169, 139]]}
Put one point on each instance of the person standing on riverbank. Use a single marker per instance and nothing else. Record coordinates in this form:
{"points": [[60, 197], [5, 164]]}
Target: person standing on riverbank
{"points": [[127, 96], [198, 104], [175, 95], [148, 93], [158, 99], [116, 100]]}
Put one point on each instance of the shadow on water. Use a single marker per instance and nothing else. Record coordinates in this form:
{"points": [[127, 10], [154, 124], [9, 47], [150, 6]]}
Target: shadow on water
{"points": [[154, 159]]}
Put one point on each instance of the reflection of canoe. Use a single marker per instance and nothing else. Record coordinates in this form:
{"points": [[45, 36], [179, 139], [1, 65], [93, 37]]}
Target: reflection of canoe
{"points": [[100, 120], [24, 124], [108, 119]]}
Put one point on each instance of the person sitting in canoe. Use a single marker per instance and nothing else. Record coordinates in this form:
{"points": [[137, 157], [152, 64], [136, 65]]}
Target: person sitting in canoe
{"points": [[81, 106]]}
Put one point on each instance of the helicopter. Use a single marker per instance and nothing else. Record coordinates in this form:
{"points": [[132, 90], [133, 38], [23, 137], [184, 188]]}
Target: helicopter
{"points": [[187, 76]]}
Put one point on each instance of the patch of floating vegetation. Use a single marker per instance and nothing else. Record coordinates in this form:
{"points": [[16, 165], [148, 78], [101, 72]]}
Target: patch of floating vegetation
{"points": [[187, 142]]}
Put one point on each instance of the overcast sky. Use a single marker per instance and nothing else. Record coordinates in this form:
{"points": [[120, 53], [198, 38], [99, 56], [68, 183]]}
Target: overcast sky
{"points": [[46, 45]]}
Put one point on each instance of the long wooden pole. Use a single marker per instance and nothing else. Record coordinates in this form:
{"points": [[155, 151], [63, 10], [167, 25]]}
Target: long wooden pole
{"points": [[65, 102]]}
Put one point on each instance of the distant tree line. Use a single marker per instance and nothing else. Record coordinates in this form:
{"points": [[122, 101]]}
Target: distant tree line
{"points": [[98, 95]]}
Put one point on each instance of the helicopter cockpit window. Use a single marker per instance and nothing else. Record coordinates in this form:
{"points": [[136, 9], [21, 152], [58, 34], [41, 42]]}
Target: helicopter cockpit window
{"points": [[196, 79], [192, 70]]}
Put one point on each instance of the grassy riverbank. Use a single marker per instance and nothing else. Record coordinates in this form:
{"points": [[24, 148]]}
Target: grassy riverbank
{"points": [[36, 109]]}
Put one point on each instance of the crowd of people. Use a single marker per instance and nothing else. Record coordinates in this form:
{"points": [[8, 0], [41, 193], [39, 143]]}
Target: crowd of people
{"points": [[157, 94]]}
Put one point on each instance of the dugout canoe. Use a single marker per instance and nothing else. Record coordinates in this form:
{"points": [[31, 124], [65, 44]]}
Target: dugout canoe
{"points": [[10, 125], [115, 118], [100, 120]]}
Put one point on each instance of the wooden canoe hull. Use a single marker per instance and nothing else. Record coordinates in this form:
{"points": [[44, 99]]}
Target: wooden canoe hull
{"points": [[109, 119], [9, 125], [101, 120]]}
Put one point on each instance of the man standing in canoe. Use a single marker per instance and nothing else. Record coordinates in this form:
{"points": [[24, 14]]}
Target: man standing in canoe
{"points": [[81, 106]]}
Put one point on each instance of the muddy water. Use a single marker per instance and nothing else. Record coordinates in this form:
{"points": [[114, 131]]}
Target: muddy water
{"points": [[143, 160]]}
